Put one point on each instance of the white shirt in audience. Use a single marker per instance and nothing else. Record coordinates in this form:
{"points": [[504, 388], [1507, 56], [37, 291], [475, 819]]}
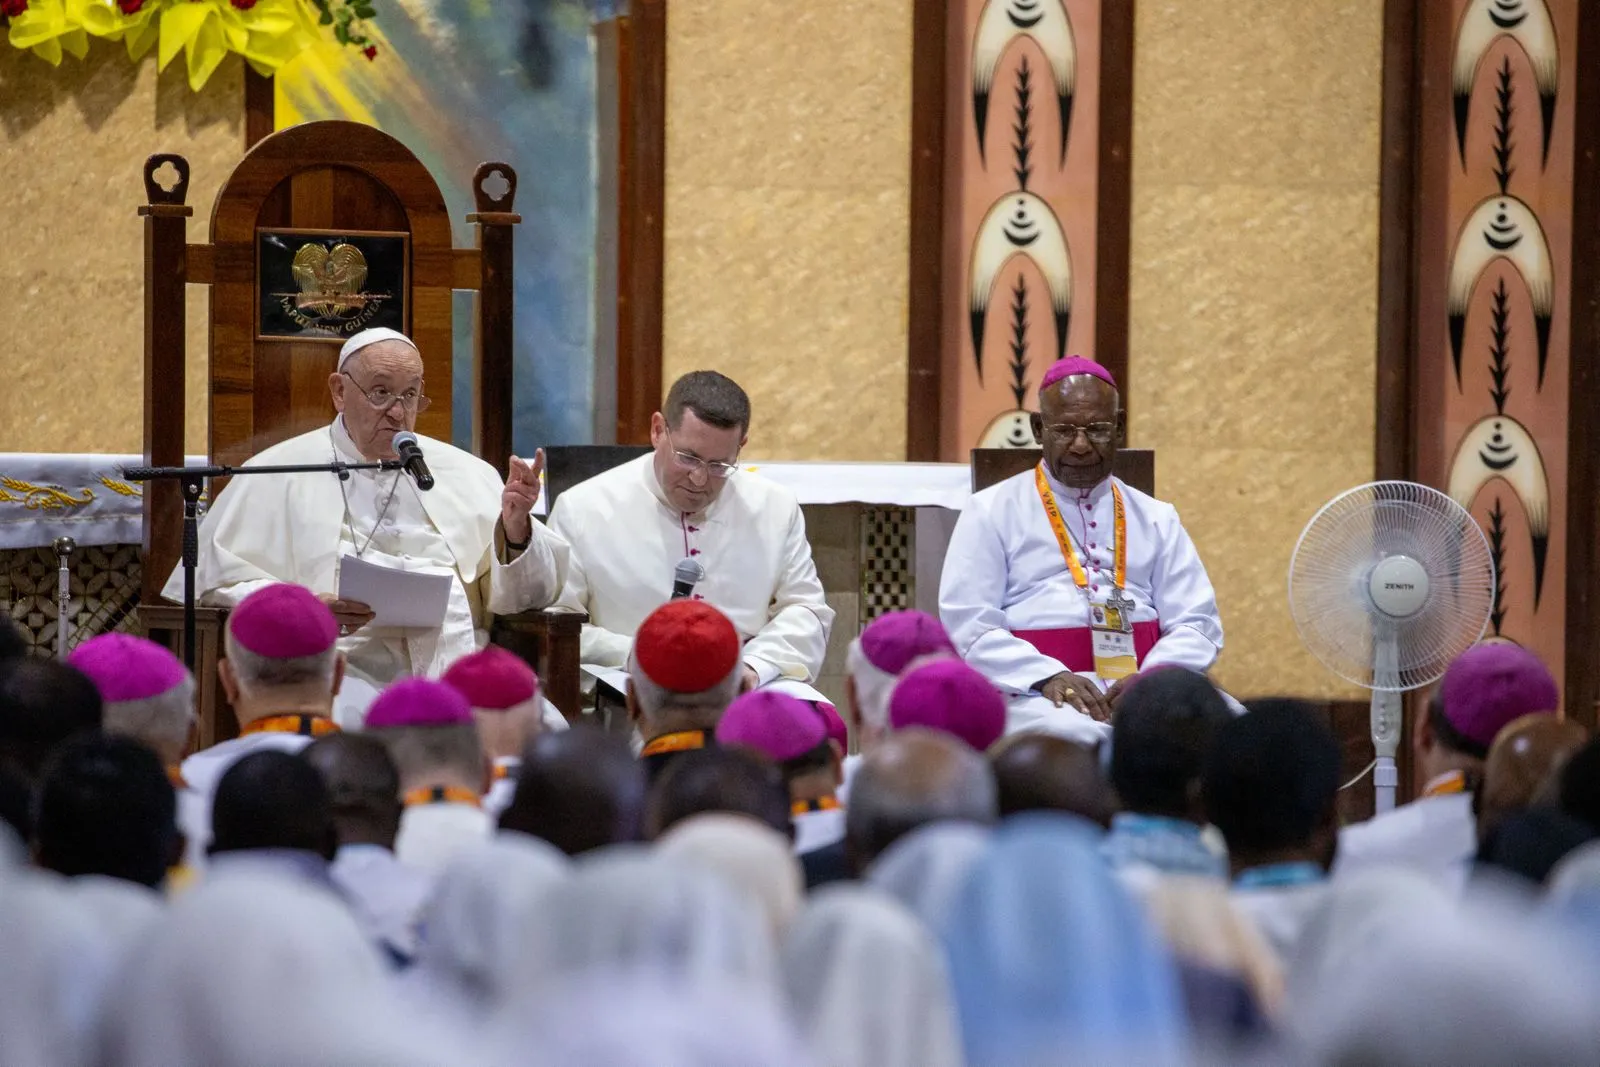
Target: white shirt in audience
{"points": [[386, 895], [432, 834], [1435, 834], [818, 829], [1279, 900]]}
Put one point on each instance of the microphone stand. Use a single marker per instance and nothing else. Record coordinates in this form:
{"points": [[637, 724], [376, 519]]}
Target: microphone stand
{"points": [[192, 479]]}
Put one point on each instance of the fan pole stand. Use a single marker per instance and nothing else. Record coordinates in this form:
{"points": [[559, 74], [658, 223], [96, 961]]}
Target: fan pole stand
{"points": [[1386, 722]]}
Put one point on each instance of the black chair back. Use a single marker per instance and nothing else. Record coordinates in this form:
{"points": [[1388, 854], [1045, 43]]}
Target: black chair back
{"points": [[1135, 466]]}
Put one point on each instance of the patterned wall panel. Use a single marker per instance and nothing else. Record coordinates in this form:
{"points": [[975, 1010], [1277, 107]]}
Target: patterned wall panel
{"points": [[888, 561], [104, 590], [1022, 144], [1494, 298]]}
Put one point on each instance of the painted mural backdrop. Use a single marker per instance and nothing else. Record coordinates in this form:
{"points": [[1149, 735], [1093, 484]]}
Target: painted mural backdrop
{"points": [[1023, 136], [1494, 302], [463, 81]]}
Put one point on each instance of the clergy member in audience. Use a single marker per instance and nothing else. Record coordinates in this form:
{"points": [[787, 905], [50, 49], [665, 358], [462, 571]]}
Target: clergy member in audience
{"points": [[364, 791], [791, 733], [301, 527], [504, 694], [1272, 787], [913, 778], [433, 740], [280, 670], [1164, 729], [1040, 772], [736, 781], [148, 693], [1523, 767], [1063, 582], [105, 808], [683, 672], [632, 526], [272, 812], [949, 697], [875, 661], [1485, 688], [578, 789]]}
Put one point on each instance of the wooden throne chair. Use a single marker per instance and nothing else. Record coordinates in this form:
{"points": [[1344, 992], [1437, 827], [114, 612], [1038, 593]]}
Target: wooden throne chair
{"points": [[273, 341]]}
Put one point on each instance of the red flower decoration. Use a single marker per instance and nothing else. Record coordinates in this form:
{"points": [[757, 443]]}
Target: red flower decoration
{"points": [[371, 51], [130, 7], [243, 5], [12, 8]]}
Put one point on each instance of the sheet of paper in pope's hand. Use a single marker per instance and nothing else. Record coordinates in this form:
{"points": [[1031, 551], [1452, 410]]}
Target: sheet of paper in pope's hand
{"points": [[396, 597]]}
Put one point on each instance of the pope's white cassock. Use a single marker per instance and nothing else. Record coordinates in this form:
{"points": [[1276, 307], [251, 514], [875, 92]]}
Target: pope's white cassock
{"points": [[298, 527], [1015, 613], [751, 539]]}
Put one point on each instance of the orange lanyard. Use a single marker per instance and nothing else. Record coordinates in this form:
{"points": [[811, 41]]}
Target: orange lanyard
{"points": [[1454, 782], [1068, 552], [801, 807], [441, 794], [681, 741], [306, 725]]}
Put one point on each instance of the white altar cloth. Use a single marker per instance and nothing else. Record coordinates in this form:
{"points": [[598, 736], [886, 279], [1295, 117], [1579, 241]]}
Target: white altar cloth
{"points": [[46, 495]]}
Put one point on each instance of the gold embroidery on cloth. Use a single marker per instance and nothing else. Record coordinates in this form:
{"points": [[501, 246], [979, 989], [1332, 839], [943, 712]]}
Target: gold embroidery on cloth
{"points": [[41, 497]]}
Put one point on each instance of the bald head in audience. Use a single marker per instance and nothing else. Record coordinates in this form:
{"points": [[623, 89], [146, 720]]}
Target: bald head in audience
{"points": [[363, 787], [915, 777], [580, 789], [1040, 772], [1525, 756]]}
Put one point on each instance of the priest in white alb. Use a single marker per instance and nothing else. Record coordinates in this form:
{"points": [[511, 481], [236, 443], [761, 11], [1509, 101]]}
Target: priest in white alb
{"points": [[631, 526], [1061, 583], [302, 528]]}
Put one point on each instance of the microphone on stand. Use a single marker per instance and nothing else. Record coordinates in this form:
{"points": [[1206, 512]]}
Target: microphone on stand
{"points": [[688, 573], [410, 452]]}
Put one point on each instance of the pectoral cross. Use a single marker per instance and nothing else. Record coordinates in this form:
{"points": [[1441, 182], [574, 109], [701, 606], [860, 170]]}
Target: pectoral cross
{"points": [[1120, 606]]}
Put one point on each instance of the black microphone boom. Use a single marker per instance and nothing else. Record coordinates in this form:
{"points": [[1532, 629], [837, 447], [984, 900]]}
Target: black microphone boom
{"points": [[410, 452], [685, 576]]}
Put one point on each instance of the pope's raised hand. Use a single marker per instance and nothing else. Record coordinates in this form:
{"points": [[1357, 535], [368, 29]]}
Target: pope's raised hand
{"points": [[520, 495]]}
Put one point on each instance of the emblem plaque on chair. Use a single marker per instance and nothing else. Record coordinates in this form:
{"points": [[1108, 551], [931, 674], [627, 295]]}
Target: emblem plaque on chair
{"points": [[322, 285]]}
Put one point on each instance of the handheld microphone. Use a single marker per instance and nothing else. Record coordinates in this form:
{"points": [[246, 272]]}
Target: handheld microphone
{"points": [[685, 576], [410, 452]]}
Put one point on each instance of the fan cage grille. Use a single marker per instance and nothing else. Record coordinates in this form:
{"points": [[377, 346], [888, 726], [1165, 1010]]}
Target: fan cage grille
{"points": [[1328, 584]]}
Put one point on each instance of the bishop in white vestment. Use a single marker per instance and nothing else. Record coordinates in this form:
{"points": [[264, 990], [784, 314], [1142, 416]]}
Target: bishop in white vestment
{"points": [[631, 526], [299, 527], [1062, 582]]}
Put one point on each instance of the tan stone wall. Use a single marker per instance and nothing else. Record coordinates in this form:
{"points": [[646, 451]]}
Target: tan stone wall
{"points": [[788, 156], [73, 141], [1254, 288]]}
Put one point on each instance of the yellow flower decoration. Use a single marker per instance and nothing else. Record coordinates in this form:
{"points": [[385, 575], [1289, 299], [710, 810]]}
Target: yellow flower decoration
{"points": [[267, 33], [48, 28], [138, 31]]}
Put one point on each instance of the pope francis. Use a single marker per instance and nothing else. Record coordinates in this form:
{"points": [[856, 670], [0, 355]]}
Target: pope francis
{"points": [[300, 527]]}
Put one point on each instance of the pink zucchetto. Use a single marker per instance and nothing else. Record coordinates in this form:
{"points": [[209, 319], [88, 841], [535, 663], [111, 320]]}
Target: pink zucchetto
{"points": [[1490, 685], [779, 726], [418, 702], [833, 722], [283, 622], [493, 679], [1074, 365], [893, 640], [124, 667], [949, 696]]}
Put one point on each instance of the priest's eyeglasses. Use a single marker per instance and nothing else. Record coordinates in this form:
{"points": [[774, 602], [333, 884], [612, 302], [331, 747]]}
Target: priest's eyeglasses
{"points": [[382, 400], [691, 462], [1098, 432]]}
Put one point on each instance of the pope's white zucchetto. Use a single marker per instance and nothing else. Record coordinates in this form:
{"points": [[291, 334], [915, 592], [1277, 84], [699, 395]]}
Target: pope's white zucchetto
{"points": [[372, 336]]}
